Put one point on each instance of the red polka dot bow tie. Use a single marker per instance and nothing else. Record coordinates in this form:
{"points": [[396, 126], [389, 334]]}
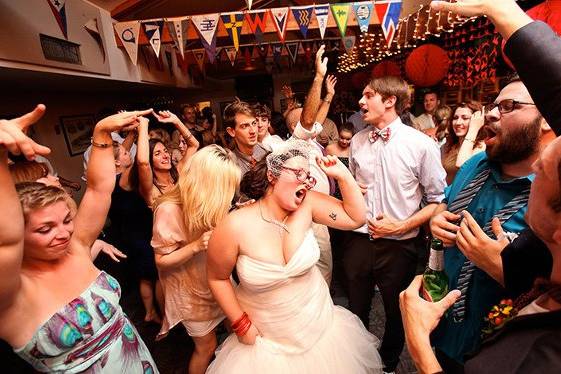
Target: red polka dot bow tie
{"points": [[380, 134]]}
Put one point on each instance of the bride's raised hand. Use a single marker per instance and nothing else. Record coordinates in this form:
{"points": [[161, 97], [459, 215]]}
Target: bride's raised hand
{"points": [[332, 166], [250, 336]]}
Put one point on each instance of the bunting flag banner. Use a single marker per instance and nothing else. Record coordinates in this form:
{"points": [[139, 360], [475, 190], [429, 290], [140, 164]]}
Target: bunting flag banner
{"points": [[303, 17], [349, 43], [322, 16], [153, 31], [301, 49], [59, 11], [341, 14], [231, 52], [233, 22], [388, 13], [177, 28], [363, 13], [280, 20], [257, 21], [292, 49], [200, 58], [206, 25], [249, 3], [128, 33]]}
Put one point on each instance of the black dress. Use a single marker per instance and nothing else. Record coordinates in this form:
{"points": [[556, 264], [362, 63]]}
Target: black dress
{"points": [[131, 231]]}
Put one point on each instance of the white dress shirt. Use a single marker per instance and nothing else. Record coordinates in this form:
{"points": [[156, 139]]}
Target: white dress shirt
{"points": [[399, 173], [425, 121]]}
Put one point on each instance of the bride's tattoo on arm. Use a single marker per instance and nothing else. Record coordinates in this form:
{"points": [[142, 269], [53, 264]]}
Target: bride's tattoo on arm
{"points": [[333, 216]]}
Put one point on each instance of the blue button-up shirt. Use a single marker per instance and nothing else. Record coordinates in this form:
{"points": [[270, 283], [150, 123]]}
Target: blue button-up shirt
{"points": [[453, 338]]}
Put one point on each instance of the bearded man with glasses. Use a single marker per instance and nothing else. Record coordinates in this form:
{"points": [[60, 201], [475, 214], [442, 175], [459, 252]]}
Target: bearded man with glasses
{"points": [[486, 203]]}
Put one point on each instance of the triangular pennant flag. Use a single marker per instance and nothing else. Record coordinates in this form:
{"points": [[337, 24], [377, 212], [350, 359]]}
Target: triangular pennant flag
{"points": [[363, 13], [247, 55], [249, 4], [181, 62], [349, 43], [263, 50], [293, 50], [59, 11], [233, 22], [200, 58], [280, 20], [257, 21], [231, 53], [341, 14], [211, 50], [322, 16], [206, 25], [303, 17], [128, 33], [153, 31], [92, 29], [388, 13], [177, 28], [301, 49]]}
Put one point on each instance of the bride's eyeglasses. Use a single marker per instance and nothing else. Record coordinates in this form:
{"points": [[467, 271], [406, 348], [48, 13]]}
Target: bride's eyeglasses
{"points": [[303, 176]]}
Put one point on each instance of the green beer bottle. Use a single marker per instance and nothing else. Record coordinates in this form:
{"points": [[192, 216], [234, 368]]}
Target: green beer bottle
{"points": [[435, 280]]}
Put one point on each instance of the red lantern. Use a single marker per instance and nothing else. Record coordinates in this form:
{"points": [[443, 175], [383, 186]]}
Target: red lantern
{"points": [[386, 68], [360, 80], [427, 65]]}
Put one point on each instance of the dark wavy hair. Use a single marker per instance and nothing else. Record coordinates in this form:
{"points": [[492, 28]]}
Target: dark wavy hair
{"points": [[452, 139], [254, 183], [134, 178]]}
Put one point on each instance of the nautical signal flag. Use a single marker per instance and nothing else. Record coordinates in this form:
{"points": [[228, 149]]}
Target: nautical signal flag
{"points": [[388, 14], [257, 21], [322, 16], [303, 17], [341, 14], [363, 13], [280, 20], [233, 22], [128, 33], [59, 11]]}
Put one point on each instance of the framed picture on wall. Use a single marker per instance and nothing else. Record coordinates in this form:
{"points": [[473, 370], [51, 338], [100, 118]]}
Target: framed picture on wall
{"points": [[78, 131]]}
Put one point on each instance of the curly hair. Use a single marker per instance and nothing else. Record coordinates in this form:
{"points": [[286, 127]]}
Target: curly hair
{"points": [[35, 195]]}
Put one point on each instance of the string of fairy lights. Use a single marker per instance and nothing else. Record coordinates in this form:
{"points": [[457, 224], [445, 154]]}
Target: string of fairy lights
{"points": [[412, 30]]}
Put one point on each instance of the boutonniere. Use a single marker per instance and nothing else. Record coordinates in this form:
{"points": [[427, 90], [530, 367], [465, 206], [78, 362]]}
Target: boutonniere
{"points": [[498, 316]]}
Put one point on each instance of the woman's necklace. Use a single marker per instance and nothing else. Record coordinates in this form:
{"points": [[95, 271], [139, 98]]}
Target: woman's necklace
{"points": [[281, 225]]}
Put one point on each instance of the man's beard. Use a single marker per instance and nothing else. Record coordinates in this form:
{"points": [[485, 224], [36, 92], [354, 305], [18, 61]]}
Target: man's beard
{"points": [[516, 145]]}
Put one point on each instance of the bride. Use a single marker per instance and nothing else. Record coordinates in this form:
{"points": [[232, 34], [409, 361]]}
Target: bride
{"points": [[281, 312]]}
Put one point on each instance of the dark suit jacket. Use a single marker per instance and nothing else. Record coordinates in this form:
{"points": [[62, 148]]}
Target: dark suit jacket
{"points": [[527, 344], [535, 51]]}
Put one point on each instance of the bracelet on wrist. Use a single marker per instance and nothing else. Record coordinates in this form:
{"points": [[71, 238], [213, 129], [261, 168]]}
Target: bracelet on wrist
{"points": [[470, 140], [326, 101], [100, 145], [242, 325]]}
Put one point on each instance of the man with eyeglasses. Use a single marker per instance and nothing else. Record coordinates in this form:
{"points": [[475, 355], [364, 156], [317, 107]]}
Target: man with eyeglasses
{"points": [[398, 169], [488, 199]]}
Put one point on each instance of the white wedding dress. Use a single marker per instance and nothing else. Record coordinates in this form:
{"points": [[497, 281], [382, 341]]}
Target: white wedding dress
{"points": [[302, 331]]}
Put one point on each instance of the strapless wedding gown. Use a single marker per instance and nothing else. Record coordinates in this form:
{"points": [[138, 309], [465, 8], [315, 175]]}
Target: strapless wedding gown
{"points": [[301, 330]]}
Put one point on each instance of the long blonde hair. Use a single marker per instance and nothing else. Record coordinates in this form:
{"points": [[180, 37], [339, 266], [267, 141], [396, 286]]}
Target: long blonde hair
{"points": [[205, 188]]}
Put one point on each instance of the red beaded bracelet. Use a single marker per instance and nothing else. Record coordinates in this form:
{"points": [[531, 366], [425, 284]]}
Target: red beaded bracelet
{"points": [[242, 325]]}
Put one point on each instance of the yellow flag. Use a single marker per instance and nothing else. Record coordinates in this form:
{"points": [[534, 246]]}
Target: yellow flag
{"points": [[341, 14]]}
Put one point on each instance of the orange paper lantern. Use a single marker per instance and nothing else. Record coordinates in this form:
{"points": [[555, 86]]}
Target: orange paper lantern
{"points": [[386, 68], [427, 65]]}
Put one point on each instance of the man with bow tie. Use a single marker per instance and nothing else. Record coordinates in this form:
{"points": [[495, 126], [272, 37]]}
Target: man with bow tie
{"points": [[399, 169]]}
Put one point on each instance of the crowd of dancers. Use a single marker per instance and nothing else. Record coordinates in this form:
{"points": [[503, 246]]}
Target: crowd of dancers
{"points": [[248, 228]]}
